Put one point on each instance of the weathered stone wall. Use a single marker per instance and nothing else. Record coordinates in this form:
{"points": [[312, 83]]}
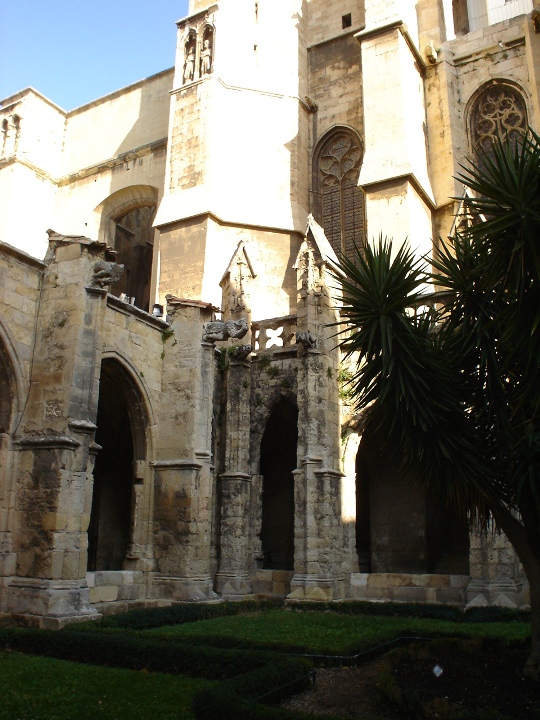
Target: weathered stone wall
{"points": [[68, 163], [20, 279], [335, 85], [196, 253], [329, 20]]}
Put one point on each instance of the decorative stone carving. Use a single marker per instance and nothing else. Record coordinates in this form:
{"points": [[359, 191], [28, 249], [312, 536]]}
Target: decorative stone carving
{"points": [[535, 17], [307, 339], [341, 200], [206, 58], [189, 64], [219, 330], [241, 352], [106, 273], [499, 111], [431, 52]]}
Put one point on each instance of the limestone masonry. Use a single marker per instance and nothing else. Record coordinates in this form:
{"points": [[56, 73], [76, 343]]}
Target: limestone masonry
{"points": [[174, 423]]}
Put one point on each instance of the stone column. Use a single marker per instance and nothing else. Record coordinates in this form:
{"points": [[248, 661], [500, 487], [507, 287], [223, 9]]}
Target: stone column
{"points": [[318, 561], [183, 470], [54, 483], [232, 580], [495, 572], [140, 553]]}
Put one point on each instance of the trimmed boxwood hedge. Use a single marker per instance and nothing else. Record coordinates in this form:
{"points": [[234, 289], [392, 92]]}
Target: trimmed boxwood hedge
{"points": [[133, 653], [180, 613], [176, 614], [241, 696], [246, 676]]}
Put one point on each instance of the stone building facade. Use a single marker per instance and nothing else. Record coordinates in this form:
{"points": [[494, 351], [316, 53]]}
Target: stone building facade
{"points": [[173, 422]]}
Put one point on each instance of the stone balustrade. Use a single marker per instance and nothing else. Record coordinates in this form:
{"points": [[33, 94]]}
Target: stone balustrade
{"points": [[274, 332]]}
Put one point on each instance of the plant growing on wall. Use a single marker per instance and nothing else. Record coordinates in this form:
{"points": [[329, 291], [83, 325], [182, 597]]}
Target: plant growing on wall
{"points": [[454, 392]]}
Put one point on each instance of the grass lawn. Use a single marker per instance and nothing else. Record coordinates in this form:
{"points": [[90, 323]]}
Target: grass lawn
{"points": [[35, 688], [328, 632]]}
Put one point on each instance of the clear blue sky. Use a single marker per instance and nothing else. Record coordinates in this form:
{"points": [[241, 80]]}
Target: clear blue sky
{"points": [[74, 51]]}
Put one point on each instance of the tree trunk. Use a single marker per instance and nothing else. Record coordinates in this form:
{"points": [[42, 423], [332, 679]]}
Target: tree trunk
{"points": [[526, 542]]}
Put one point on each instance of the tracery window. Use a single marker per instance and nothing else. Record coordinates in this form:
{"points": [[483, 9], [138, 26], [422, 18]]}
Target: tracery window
{"points": [[340, 202], [498, 112]]}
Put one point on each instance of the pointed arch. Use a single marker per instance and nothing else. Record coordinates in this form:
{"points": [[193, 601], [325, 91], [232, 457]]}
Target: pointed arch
{"points": [[278, 461], [339, 200], [498, 109], [11, 384], [124, 440], [126, 224]]}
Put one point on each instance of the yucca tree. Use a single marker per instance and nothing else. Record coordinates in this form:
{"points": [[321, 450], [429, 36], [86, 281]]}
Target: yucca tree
{"points": [[455, 393]]}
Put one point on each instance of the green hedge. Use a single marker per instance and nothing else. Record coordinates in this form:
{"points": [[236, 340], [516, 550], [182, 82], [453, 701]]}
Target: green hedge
{"points": [[173, 615], [243, 696], [192, 612], [133, 653]]}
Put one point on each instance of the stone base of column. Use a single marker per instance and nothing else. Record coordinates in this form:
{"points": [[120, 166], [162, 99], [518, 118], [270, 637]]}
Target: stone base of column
{"points": [[232, 586], [316, 588], [481, 593], [8, 559], [184, 589], [8, 564], [49, 604]]}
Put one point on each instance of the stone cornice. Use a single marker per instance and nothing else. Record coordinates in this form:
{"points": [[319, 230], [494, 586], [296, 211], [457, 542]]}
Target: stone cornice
{"points": [[107, 165], [177, 464], [391, 27], [405, 177], [48, 442], [352, 31], [197, 16], [126, 309], [21, 256], [104, 166]]}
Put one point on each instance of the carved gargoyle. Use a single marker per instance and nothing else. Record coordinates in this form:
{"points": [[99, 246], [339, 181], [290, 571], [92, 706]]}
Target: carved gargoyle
{"points": [[106, 273], [241, 352], [219, 330], [307, 339], [535, 17]]}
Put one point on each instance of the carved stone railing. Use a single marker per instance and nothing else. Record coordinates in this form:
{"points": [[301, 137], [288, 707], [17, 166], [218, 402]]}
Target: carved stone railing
{"points": [[430, 301], [274, 332]]}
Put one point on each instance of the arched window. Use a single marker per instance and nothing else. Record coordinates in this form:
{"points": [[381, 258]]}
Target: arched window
{"points": [[126, 225], [134, 243], [499, 111], [340, 206]]}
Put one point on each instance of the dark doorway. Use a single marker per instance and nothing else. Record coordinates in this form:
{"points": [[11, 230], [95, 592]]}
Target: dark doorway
{"points": [[363, 513], [278, 460], [134, 241], [110, 520], [401, 528], [5, 397], [447, 539]]}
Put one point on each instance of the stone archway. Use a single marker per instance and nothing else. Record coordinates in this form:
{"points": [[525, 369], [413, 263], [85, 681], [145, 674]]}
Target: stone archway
{"points": [[278, 461], [5, 397], [121, 434], [126, 225], [401, 528]]}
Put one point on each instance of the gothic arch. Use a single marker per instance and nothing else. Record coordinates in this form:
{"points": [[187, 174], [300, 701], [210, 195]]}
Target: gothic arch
{"points": [[119, 204], [278, 460], [140, 398], [207, 34], [121, 497], [339, 203], [127, 218], [498, 108], [11, 384]]}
